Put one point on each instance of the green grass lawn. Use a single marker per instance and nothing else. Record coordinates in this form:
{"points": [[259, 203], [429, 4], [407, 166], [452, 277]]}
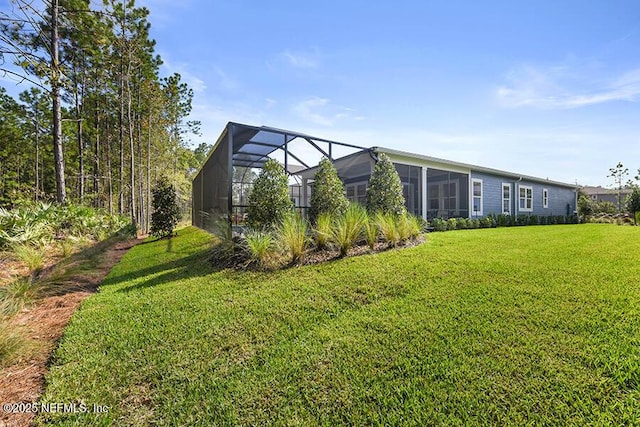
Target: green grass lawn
{"points": [[515, 325]]}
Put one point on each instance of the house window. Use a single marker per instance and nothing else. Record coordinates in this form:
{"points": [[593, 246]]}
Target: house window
{"points": [[545, 198], [506, 199], [526, 199], [477, 196]]}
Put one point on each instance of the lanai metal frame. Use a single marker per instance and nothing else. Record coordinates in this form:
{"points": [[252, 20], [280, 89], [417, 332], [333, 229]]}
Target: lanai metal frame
{"points": [[242, 145]]}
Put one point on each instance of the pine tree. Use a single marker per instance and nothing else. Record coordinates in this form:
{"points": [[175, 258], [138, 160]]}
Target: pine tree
{"points": [[269, 201], [384, 193], [328, 192]]}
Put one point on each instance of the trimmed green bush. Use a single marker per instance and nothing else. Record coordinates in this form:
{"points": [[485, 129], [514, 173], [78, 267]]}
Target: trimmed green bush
{"points": [[439, 224], [452, 224], [384, 193], [328, 192], [269, 200], [166, 212]]}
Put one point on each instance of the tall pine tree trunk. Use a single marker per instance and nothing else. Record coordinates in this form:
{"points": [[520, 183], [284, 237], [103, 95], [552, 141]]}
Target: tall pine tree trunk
{"points": [[58, 155]]}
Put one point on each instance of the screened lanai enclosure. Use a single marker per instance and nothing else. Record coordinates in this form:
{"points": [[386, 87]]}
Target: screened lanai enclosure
{"points": [[222, 186]]}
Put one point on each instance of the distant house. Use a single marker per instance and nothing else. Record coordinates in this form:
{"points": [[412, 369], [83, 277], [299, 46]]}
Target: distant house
{"points": [[432, 187], [601, 194]]}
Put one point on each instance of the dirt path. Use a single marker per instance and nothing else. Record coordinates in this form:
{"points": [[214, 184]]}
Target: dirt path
{"points": [[43, 325]]}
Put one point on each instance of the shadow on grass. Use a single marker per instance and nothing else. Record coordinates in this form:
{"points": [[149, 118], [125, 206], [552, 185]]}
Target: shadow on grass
{"points": [[194, 265]]}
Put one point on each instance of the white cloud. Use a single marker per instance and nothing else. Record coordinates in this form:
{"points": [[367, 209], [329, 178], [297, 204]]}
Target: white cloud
{"points": [[301, 59], [562, 87], [320, 111]]}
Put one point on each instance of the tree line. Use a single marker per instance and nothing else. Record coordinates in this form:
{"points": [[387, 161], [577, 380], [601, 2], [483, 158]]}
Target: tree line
{"points": [[97, 124]]}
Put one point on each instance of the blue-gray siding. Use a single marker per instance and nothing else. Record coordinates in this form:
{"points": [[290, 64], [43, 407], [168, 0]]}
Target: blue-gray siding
{"points": [[561, 199]]}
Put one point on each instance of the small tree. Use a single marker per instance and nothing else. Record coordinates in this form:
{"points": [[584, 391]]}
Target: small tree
{"points": [[166, 212], [585, 205], [269, 200], [384, 193], [633, 204], [618, 173], [328, 192]]}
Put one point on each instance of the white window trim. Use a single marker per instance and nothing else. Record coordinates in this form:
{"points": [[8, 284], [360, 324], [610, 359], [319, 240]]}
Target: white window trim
{"points": [[545, 198], [508, 185], [473, 196], [525, 209]]}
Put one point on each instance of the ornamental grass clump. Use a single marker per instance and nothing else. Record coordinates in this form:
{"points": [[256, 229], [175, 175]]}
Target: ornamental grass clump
{"points": [[260, 247], [388, 226], [322, 230], [348, 228], [408, 227], [370, 232], [293, 237], [31, 255]]}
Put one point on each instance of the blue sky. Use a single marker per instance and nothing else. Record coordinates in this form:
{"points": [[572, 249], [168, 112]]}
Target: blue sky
{"points": [[545, 88]]}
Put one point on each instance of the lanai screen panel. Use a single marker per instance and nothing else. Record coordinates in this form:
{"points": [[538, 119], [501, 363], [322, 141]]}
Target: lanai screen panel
{"points": [[447, 194], [214, 186]]}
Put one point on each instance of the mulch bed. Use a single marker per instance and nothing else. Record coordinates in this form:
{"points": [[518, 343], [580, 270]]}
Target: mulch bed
{"points": [[43, 325]]}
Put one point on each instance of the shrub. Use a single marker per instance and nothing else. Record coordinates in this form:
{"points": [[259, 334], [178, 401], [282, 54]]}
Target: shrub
{"points": [[452, 224], [166, 212], [328, 192], [439, 224], [486, 222], [384, 193], [533, 220], [586, 206], [605, 207], [475, 223], [633, 204], [322, 232], [348, 228], [260, 246], [292, 234], [543, 220], [269, 200]]}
